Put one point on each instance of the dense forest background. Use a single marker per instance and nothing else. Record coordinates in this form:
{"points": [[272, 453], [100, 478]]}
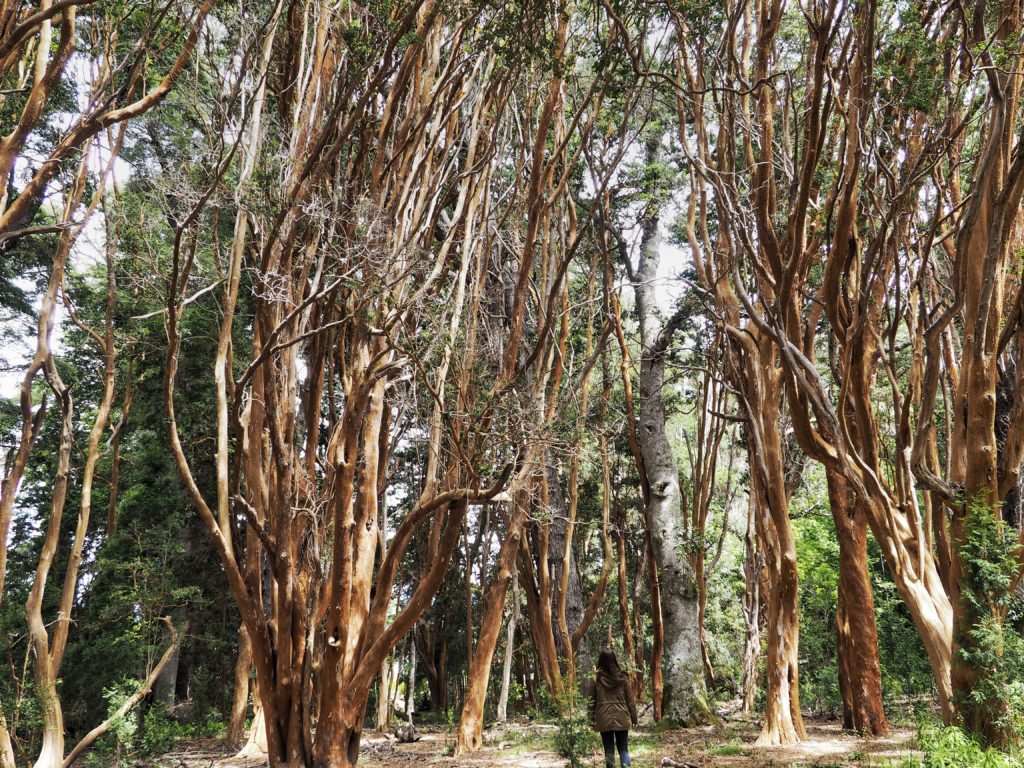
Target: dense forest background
{"points": [[379, 362]]}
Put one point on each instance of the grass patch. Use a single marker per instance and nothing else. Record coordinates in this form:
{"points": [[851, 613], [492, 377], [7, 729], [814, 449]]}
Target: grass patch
{"points": [[728, 750]]}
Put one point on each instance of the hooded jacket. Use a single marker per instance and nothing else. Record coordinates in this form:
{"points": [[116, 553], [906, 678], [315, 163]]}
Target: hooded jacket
{"points": [[611, 701]]}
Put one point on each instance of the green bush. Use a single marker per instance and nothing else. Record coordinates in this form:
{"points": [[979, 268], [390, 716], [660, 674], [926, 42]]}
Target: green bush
{"points": [[574, 739], [159, 731], [988, 643], [952, 747]]}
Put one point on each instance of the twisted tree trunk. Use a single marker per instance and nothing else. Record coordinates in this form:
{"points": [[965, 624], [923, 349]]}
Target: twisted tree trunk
{"points": [[860, 673]]}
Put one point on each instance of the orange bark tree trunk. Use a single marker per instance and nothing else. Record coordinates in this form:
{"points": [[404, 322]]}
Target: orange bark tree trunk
{"points": [[860, 673], [469, 737]]}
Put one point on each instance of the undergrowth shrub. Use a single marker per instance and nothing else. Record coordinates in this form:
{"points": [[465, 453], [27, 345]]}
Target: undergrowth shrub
{"points": [[574, 739], [989, 644], [952, 747]]}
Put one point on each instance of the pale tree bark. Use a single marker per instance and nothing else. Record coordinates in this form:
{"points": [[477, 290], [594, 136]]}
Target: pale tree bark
{"points": [[255, 746], [685, 695], [510, 646], [240, 690], [48, 650], [648, 568]]}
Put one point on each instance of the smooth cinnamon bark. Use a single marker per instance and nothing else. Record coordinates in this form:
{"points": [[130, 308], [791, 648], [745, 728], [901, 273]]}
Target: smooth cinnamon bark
{"points": [[860, 673], [783, 721], [469, 737]]}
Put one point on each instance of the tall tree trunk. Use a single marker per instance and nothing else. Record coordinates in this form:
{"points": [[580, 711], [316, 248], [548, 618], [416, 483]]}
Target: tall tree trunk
{"points": [[685, 694], [860, 673], [759, 381], [167, 682], [469, 737]]}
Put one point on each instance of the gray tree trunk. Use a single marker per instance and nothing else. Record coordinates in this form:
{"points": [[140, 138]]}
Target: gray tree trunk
{"points": [[575, 605], [686, 700]]}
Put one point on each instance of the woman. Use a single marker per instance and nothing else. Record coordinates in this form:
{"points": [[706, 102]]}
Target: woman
{"points": [[612, 708]]}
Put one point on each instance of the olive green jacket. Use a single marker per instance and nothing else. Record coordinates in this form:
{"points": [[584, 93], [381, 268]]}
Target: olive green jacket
{"points": [[611, 703]]}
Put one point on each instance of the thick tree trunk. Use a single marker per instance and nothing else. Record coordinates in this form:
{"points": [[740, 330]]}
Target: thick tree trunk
{"points": [[435, 656], [167, 682], [469, 737], [921, 586], [685, 695], [860, 674], [783, 722]]}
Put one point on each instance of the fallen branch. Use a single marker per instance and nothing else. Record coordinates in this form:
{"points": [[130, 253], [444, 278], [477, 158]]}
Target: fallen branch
{"points": [[89, 738]]}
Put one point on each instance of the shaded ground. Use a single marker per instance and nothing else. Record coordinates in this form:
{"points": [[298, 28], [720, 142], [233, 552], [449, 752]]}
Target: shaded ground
{"points": [[529, 745]]}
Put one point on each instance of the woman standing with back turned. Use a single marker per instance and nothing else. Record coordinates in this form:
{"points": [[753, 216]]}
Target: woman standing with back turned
{"points": [[612, 708]]}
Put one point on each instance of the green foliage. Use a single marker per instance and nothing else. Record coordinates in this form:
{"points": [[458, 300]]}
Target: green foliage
{"points": [[988, 643], [906, 674], [159, 732], [909, 66], [574, 737], [953, 748], [124, 728]]}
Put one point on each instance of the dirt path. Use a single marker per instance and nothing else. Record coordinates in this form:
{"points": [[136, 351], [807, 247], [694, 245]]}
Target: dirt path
{"points": [[531, 746], [828, 746]]}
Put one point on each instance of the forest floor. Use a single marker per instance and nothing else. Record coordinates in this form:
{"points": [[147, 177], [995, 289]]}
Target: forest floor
{"points": [[531, 745]]}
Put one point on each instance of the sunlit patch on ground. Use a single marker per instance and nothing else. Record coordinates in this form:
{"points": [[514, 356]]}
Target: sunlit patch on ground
{"points": [[521, 745]]}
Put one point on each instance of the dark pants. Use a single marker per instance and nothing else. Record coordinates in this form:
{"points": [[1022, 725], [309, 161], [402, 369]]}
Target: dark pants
{"points": [[612, 740]]}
